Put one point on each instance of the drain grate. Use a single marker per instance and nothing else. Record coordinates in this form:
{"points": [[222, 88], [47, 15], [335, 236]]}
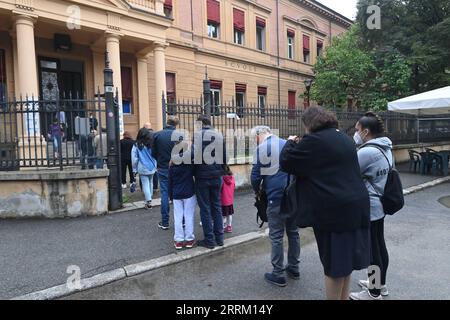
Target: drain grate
{"points": [[445, 201]]}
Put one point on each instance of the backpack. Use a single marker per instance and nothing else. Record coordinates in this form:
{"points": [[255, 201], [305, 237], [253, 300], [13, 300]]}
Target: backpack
{"points": [[261, 207], [392, 199]]}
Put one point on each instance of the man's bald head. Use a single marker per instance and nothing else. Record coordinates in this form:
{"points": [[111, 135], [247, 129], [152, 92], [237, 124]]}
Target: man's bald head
{"points": [[148, 125]]}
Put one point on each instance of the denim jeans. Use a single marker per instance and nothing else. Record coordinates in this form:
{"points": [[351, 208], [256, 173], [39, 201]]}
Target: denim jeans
{"points": [[184, 210], [208, 198], [147, 186], [99, 163], [163, 177], [277, 226]]}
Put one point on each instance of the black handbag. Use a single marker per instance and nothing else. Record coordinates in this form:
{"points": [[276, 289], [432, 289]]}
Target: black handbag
{"points": [[291, 208], [261, 204]]}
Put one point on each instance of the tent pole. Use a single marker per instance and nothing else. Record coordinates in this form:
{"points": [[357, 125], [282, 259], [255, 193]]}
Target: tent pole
{"points": [[418, 127]]}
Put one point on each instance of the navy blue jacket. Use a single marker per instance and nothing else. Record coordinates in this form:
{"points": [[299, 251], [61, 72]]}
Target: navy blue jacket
{"points": [[204, 170], [274, 181], [181, 181], [162, 146]]}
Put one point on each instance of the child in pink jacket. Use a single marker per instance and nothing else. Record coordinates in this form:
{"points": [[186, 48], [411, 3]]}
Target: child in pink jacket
{"points": [[227, 196]]}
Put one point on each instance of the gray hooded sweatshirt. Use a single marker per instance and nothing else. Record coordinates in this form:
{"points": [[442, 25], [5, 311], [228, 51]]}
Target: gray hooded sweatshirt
{"points": [[375, 169]]}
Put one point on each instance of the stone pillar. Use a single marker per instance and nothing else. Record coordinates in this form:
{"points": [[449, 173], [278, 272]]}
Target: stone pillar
{"points": [[160, 81], [144, 105], [26, 56], [113, 48]]}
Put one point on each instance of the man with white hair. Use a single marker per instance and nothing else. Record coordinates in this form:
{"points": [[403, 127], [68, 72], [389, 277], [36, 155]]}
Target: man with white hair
{"points": [[266, 176]]}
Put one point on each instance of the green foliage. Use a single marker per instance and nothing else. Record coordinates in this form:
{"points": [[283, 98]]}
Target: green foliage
{"points": [[409, 54]]}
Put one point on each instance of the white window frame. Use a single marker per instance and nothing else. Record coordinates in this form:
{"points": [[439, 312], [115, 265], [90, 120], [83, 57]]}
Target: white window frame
{"points": [[236, 33], [307, 58], [263, 38], [291, 48], [263, 97], [210, 26]]}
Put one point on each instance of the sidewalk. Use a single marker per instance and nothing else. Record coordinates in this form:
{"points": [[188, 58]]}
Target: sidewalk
{"points": [[36, 253]]}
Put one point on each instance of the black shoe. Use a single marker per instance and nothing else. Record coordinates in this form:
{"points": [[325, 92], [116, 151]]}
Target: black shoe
{"points": [[277, 281], [163, 227], [219, 243], [293, 275], [204, 244]]}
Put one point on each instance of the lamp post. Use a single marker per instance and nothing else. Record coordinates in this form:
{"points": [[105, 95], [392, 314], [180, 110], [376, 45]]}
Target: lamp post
{"points": [[112, 127], [207, 95], [308, 84]]}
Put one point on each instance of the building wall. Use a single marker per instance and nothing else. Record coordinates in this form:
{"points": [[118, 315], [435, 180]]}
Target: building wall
{"points": [[191, 48]]}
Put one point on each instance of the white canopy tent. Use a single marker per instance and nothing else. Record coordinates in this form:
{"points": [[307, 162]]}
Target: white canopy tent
{"points": [[431, 103]]}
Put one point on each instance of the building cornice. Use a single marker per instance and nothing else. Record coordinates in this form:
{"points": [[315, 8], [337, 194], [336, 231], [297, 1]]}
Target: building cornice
{"points": [[300, 23], [324, 11]]}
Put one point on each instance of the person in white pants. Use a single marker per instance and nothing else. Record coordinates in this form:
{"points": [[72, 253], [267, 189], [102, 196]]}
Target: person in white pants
{"points": [[182, 191], [184, 210]]}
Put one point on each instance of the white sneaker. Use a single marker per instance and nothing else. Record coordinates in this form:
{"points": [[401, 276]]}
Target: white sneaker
{"points": [[124, 186], [364, 295], [365, 285]]}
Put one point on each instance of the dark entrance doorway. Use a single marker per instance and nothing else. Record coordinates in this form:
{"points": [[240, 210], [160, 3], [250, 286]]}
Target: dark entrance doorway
{"points": [[61, 79]]}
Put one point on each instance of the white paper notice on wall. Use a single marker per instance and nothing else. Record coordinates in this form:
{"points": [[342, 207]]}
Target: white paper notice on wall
{"points": [[31, 118], [232, 116]]}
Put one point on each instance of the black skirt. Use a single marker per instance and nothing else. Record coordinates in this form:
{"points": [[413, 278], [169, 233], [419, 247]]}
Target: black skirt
{"points": [[227, 211], [342, 253]]}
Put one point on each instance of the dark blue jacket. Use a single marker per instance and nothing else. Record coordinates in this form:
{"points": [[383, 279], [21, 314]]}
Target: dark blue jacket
{"points": [[202, 169], [162, 146], [181, 181], [274, 181]]}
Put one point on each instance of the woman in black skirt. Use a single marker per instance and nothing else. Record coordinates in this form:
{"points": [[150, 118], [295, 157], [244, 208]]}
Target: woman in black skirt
{"points": [[332, 197]]}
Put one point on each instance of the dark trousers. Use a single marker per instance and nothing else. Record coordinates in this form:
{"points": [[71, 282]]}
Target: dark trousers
{"points": [[380, 256], [126, 164], [208, 199]]}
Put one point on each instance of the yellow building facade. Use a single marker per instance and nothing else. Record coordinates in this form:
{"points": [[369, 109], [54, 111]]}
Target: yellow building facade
{"points": [[256, 51]]}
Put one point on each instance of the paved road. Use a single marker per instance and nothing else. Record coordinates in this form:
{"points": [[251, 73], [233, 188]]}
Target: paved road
{"points": [[35, 253], [418, 240]]}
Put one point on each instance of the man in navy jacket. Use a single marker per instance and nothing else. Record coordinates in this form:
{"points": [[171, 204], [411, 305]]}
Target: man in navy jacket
{"points": [[208, 169], [267, 176], [162, 151]]}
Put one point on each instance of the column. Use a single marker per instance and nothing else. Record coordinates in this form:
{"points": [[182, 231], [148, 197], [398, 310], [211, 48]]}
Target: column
{"points": [[160, 81], [113, 48], [26, 56], [142, 74]]}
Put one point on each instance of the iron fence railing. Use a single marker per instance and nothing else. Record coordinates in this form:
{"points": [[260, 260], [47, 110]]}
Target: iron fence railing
{"points": [[400, 128], [60, 133]]}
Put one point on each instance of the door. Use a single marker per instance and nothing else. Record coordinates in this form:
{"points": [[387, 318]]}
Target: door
{"points": [[49, 92]]}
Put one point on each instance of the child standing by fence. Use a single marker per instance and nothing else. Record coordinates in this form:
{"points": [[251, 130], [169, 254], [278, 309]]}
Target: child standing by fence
{"points": [[182, 192], [227, 196]]}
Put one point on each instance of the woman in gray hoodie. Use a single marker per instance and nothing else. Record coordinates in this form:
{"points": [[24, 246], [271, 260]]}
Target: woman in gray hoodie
{"points": [[375, 160]]}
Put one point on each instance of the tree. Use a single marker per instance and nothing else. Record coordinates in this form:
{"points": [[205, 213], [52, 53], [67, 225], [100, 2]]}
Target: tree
{"points": [[416, 29], [342, 71]]}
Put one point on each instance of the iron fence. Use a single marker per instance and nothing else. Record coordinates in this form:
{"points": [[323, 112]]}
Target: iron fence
{"points": [[66, 132], [400, 128]]}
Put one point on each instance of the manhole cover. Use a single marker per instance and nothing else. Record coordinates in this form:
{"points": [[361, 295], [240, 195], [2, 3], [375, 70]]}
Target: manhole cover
{"points": [[445, 201]]}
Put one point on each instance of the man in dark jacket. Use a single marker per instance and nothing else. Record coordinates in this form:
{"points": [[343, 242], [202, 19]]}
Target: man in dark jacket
{"points": [[209, 157], [267, 175], [162, 150], [126, 145]]}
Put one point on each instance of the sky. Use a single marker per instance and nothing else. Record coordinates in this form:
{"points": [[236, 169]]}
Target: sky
{"points": [[345, 7]]}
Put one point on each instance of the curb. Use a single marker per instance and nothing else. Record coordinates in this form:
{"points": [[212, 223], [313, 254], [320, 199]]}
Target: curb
{"points": [[157, 201], [425, 185], [157, 263], [139, 268]]}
